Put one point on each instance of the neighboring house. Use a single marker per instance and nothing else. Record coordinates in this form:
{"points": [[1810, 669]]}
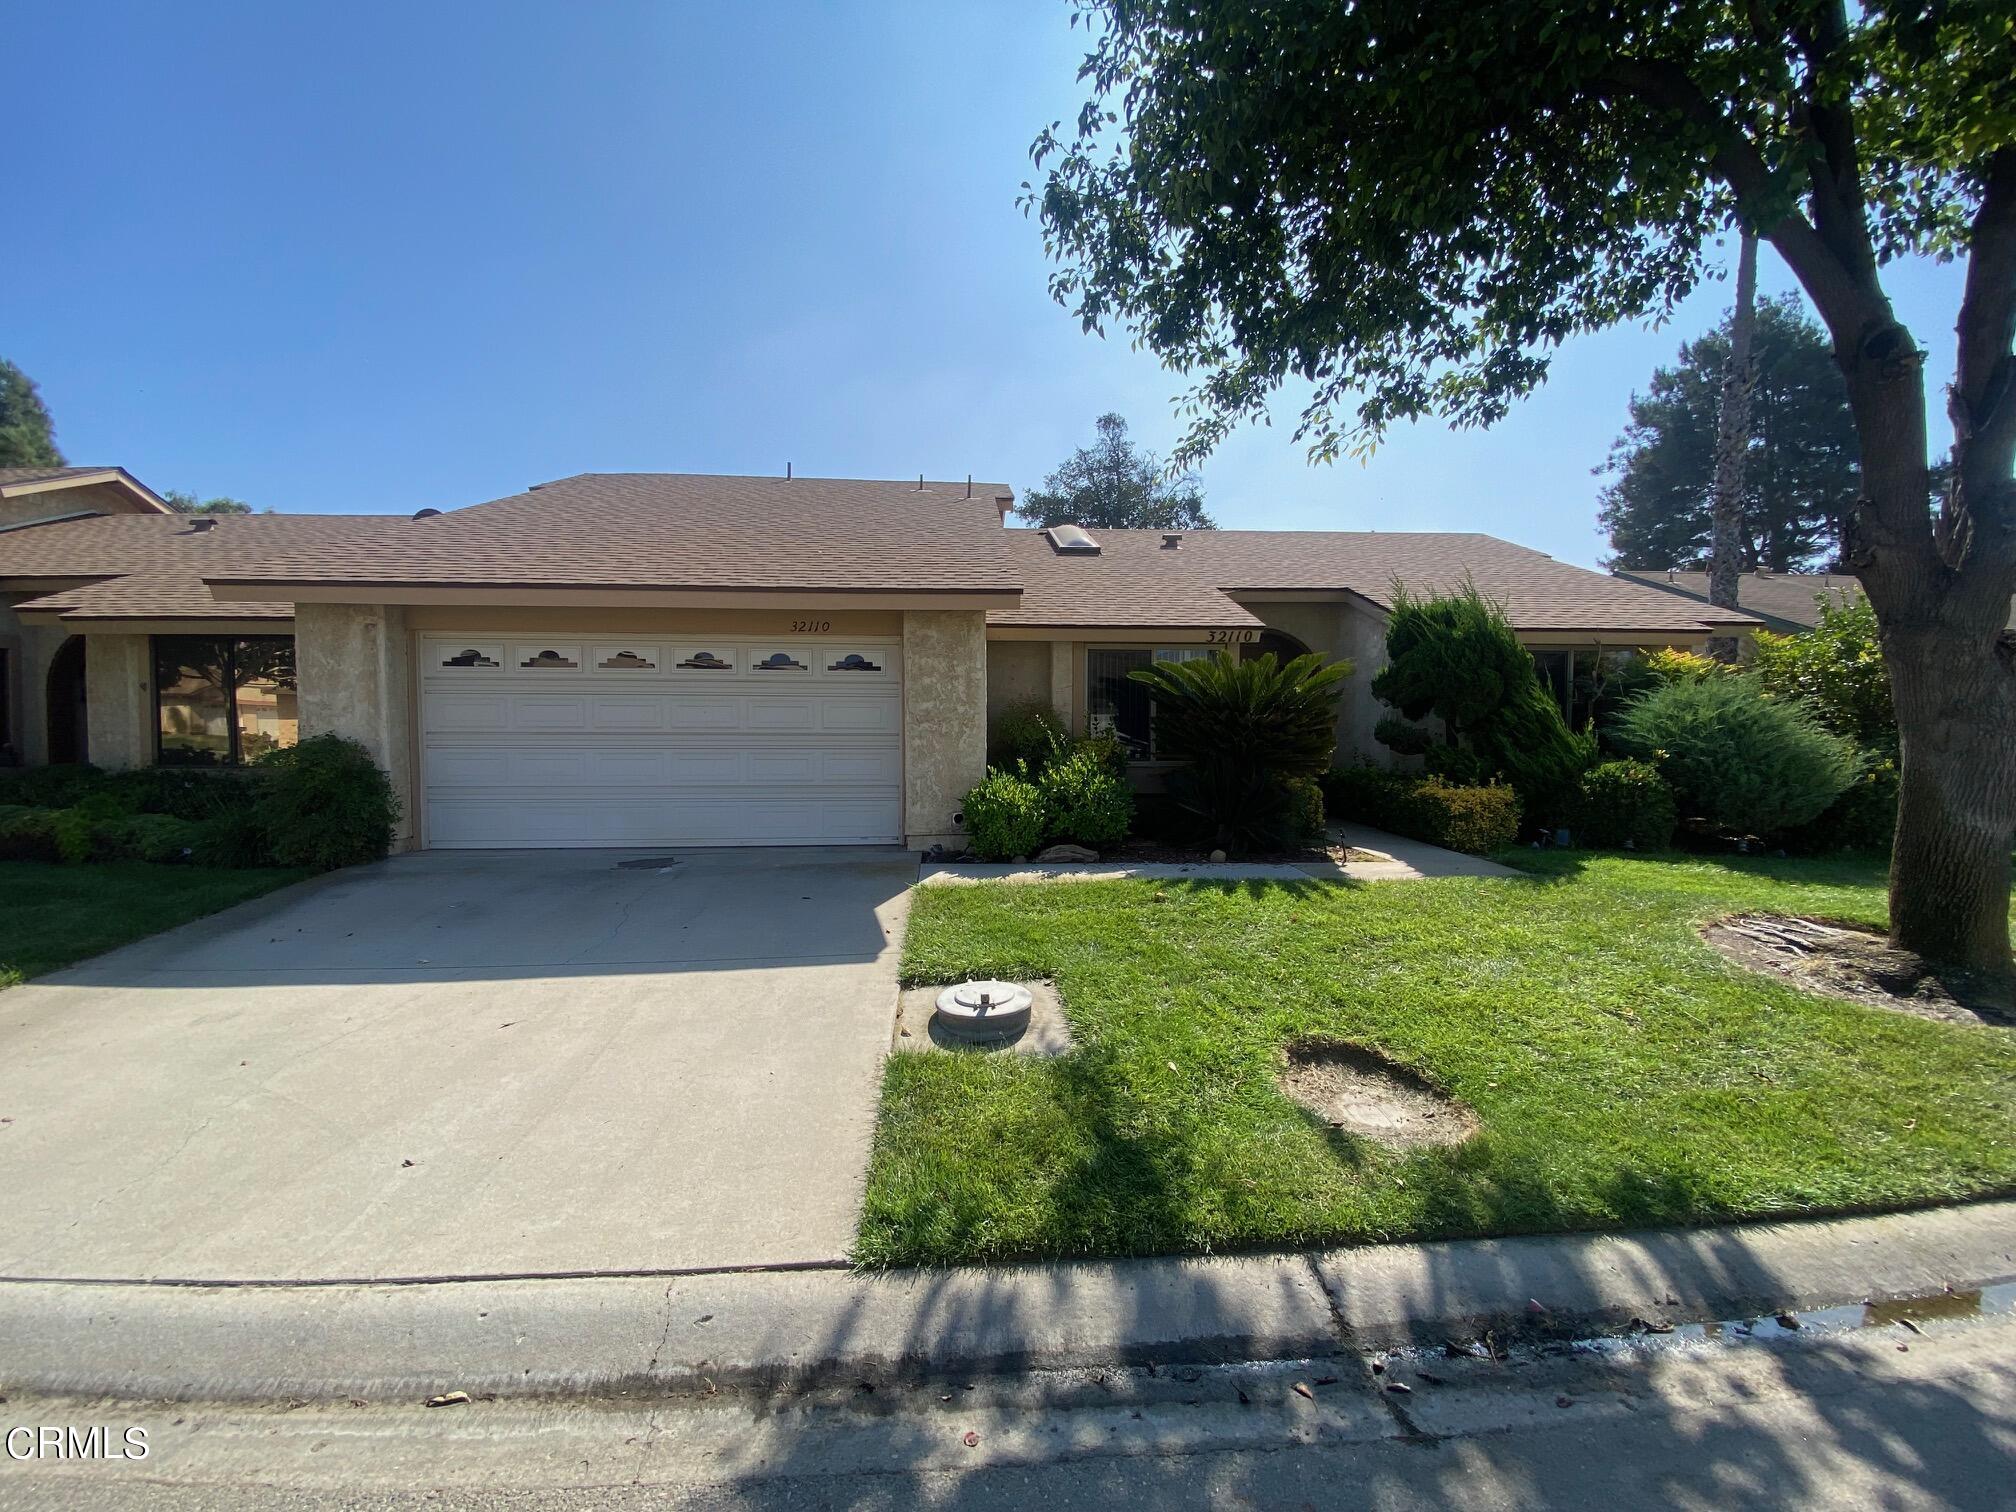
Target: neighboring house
{"points": [[1786, 602], [658, 659]]}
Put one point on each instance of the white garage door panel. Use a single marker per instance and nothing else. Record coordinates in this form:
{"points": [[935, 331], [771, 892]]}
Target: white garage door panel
{"points": [[605, 741]]}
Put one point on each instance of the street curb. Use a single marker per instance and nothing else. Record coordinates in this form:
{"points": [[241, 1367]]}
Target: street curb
{"points": [[768, 1329]]}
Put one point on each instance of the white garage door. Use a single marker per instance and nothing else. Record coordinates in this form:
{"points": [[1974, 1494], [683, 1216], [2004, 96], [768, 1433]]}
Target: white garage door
{"points": [[608, 740]]}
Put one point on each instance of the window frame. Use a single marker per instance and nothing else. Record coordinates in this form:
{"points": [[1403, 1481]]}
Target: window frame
{"points": [[1155, 652], [231, 646]]}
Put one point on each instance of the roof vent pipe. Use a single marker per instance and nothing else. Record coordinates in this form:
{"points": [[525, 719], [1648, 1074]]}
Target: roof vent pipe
{"points": [[425, 514], [1172, 542]]}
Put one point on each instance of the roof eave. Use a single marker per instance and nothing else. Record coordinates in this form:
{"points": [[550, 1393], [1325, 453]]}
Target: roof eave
{"points": [[142, 494], [652, 595]]}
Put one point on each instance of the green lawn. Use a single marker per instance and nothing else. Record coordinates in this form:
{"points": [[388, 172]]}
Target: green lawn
{"points": [[53, 915], [1623, 1073]]}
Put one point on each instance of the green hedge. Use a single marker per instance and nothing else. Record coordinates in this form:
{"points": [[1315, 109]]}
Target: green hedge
{"points": [[1004, 815], [323, 803], [1476, 819], [1625, 805]]}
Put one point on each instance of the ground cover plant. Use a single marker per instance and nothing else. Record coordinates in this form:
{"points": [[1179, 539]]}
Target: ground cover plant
{"points": [[51, 916], [1623, 1073]]}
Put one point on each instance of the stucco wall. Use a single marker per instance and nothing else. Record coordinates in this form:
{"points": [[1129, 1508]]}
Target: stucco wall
{"points": [[119, 701], [1357, 633], [1361, 635], [1065, 657], [355, 665], [30, 649], [944, 719], [1018, 672]]}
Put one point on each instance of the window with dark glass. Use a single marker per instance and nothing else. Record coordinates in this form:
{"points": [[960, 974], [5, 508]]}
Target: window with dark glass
{"points": [[223, 701]]}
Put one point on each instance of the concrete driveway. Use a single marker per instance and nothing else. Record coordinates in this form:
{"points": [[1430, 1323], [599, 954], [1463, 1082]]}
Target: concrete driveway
{"points": [[463, 1063]]}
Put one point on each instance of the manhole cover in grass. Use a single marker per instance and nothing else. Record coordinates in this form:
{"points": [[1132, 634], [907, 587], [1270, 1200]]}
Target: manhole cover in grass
{"points": [[1361, 1092], [1858, 963]]}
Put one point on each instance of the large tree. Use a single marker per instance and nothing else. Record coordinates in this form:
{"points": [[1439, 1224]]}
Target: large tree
{"points": [[1407, 206], [1799, 476], [1115, 484], [27, 437]]}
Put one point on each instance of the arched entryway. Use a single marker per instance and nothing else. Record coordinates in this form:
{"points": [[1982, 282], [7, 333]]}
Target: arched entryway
{"points": [[68, 740], [1284, 646]]}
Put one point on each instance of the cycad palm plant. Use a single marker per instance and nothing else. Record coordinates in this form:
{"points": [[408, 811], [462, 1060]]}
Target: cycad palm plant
{"points": [[1251, 733]]}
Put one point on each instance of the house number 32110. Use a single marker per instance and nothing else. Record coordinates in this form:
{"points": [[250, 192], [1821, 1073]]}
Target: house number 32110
{"points": [[811, 626], [1230, 637]]}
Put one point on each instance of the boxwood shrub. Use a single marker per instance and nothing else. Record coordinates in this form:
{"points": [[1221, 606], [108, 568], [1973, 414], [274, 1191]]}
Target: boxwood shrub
{"points": [[1004, 815], [1474, 818], [1085, 801], [1625, 805]]}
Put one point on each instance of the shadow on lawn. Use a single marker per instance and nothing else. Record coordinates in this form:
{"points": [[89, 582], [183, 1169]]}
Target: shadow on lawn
{"points": [[1845, 869]]}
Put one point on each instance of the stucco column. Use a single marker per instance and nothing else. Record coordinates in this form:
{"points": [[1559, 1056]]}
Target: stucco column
{"points": [[118, 701], [944, 720], [1063, 662], [354, 665]]}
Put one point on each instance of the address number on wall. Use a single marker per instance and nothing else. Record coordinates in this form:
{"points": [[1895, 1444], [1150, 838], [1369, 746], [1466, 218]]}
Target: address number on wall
{"points": [[811, 626], [1232, 637]]}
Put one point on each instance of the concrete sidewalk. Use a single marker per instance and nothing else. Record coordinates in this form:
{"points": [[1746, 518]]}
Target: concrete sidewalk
{"points": [[670, 1334]]}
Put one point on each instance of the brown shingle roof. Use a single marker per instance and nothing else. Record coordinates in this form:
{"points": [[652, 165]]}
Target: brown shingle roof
{"points": [[1134, 579], [1125, 585], [681, 530], [151, 566], [45, 474], [1786, 602]]}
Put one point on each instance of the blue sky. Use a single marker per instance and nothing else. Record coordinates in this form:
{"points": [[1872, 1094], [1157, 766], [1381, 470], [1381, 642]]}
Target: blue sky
{"points": [[373, 257]]}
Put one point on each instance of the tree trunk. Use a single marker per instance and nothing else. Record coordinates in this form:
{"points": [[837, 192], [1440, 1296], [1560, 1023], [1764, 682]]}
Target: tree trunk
{"points": [[1732, 442], [1956, 808], [1950, 668]]}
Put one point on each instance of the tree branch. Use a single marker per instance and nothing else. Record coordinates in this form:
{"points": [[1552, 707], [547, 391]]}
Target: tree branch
{"points": [[1848, 304], [1981, 507], [1984, 389], [1840, 211]]}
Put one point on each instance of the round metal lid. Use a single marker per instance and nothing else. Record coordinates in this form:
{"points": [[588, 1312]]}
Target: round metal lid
{"points": [[985, 998]]}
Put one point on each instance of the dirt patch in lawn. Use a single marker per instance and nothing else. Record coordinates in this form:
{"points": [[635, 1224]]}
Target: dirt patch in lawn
{"points": [[1361, 1092], [1857, 963]]}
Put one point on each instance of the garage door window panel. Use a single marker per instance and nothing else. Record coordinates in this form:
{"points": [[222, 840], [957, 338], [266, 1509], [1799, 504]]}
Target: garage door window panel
{"points": [[549, 658], [714, 658], [626, 658]]}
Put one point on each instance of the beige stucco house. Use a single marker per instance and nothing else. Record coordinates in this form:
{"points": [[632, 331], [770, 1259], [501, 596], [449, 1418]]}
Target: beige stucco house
{"points": [[655, 659]]}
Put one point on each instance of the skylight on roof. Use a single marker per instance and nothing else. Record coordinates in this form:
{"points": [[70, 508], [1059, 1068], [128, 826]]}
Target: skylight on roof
{"points": [[1075, 538]]}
